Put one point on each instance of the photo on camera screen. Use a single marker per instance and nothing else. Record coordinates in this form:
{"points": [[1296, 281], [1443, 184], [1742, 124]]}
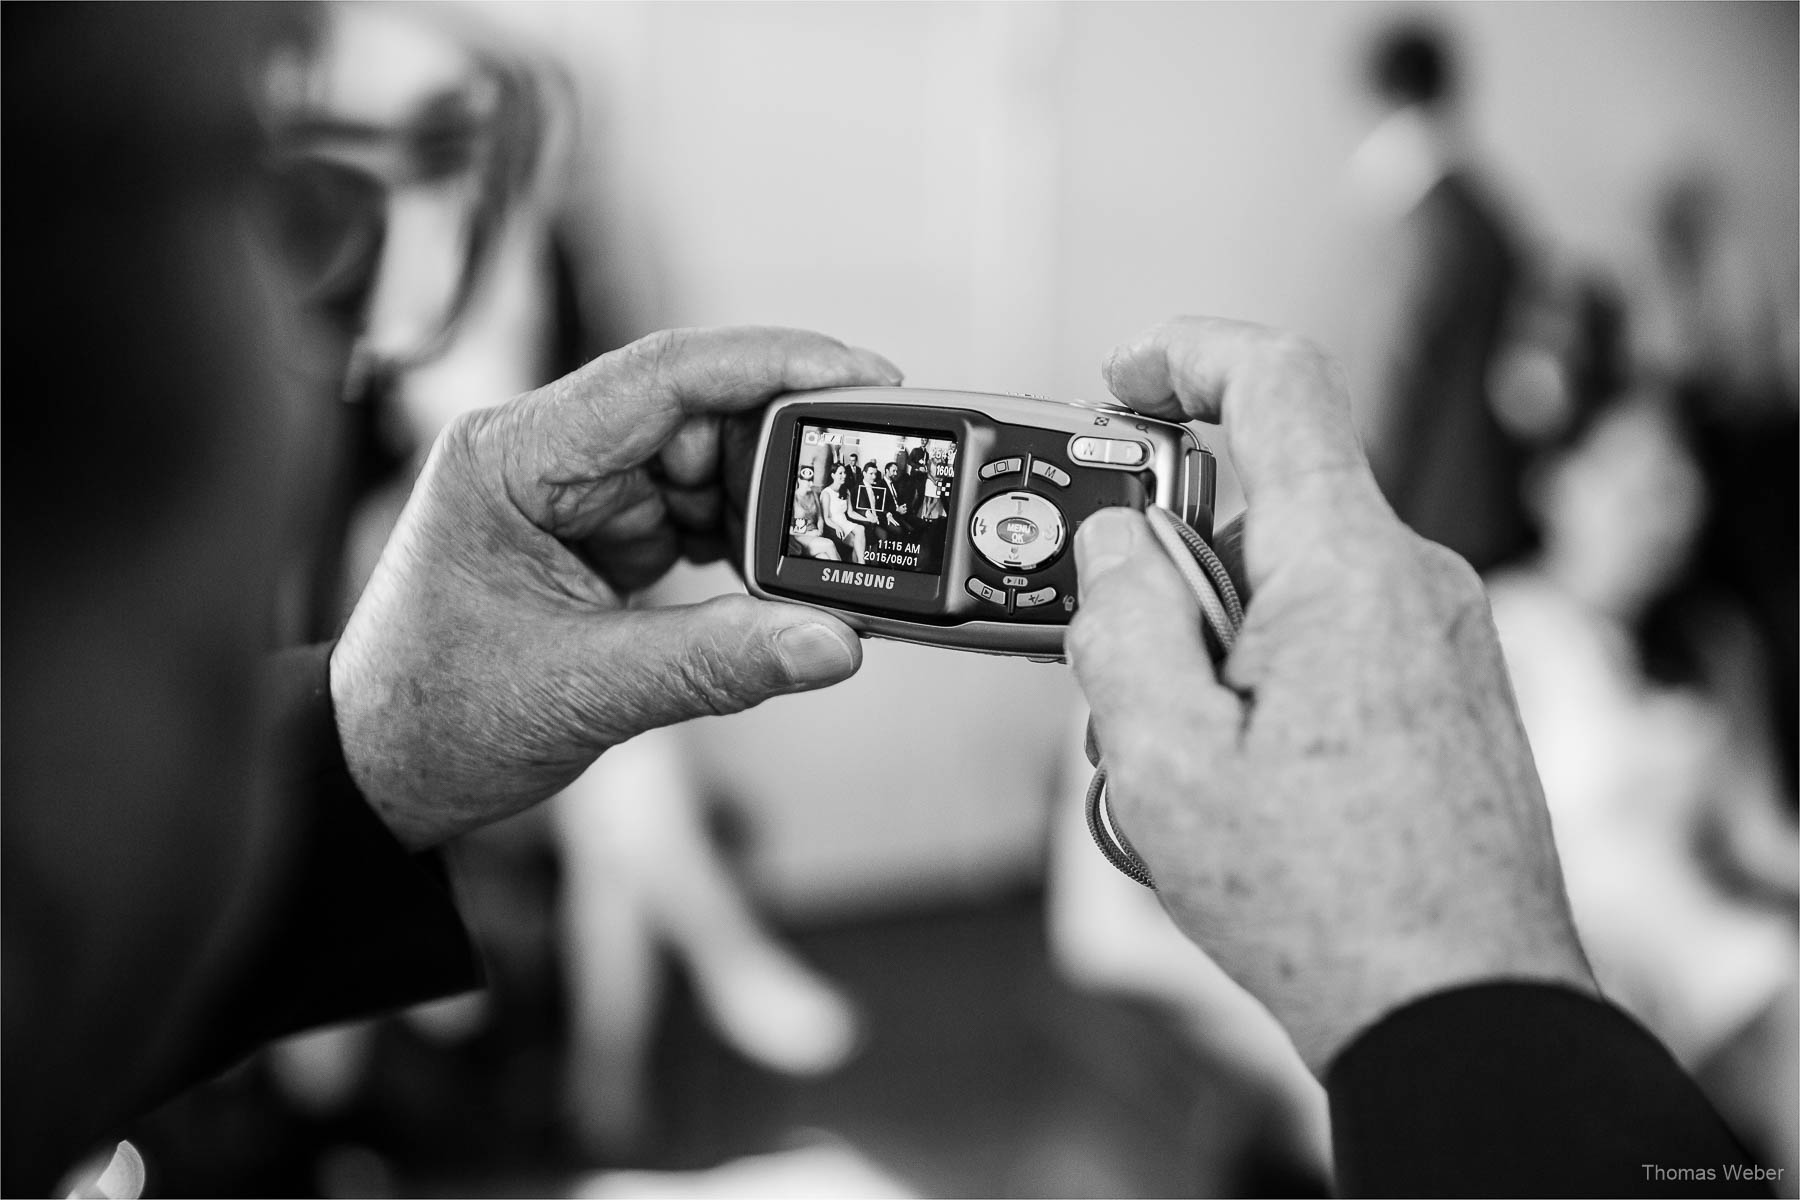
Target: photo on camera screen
{"points": [[878, 498]]}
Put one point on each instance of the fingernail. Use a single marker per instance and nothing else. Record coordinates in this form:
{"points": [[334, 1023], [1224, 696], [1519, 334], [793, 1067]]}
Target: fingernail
{"points": [[1105, 540], [124, 1174], [1111, 364], [891, 375], [814, 655]]}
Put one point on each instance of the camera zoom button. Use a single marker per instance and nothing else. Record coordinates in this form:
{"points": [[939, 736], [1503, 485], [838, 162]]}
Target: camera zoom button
{"points": [[982, 591], [1002, 466], [1018, 531], [1109, 452]]}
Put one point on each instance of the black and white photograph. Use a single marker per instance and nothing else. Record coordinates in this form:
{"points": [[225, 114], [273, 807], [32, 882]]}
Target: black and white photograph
{"points": [[900, 599], [872, 497]]}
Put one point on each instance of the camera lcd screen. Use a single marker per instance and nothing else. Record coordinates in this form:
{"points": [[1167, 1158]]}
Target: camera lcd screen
{"points": [[871, 497]]}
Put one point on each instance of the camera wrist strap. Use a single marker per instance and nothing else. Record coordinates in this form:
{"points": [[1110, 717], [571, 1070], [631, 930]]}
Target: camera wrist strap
{"points": [[1222, 614]]}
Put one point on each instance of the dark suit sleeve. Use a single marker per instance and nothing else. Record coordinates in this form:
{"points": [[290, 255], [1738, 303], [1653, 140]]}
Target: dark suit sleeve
{"points": [[350, 924], [1517, 1089], [365, 925]]}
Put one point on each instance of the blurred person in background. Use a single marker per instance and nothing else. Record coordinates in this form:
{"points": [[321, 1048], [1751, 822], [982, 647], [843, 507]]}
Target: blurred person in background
{"points": [[1644, 677], [1715, 323], [1680, 855], [1446, 269]]}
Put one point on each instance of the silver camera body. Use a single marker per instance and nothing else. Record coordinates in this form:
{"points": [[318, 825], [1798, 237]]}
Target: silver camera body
{"points": [[946, 517]]}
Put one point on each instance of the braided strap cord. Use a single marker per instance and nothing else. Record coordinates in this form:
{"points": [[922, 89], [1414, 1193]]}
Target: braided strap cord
{"points": [[1221, 614], [1112, 842]]}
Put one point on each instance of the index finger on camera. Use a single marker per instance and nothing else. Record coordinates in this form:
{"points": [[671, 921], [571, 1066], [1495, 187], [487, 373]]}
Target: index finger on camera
{"points": [[691, 458], [1283, 404], [623, 408]]}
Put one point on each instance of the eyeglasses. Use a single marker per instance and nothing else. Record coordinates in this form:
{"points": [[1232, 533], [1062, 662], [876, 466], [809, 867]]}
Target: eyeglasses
{"points": [[455, 165]]}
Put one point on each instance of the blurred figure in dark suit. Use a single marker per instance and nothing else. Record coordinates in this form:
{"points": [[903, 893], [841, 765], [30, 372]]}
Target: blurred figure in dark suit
{"points": [[1447, 466]]}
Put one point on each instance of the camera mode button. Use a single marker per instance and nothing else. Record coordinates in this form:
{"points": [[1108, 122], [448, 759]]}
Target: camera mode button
{"points": [[982, 591], [1002, 466], [1054, 474], [1033, 599]]}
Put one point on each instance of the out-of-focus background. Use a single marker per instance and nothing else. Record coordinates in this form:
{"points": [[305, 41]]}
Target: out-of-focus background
{"points": [[853, 943]]}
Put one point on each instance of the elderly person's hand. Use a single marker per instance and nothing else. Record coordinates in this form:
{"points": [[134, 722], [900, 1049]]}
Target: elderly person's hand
{"points": [[493, 656], [1345, 815]]}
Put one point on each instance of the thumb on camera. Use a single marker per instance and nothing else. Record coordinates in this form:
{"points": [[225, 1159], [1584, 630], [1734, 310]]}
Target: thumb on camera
{"points": [[667, 665], [1136, 639]]}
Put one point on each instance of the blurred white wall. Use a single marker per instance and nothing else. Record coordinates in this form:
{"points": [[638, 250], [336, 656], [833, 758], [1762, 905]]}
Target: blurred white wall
{"points": [[993, 195]]}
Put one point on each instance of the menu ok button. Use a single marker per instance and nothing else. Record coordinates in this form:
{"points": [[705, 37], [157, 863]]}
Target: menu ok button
{"points": [[1018, 531]]}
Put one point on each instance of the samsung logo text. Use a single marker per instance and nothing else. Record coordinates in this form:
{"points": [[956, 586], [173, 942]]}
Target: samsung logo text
{"points": [[857, 578]]}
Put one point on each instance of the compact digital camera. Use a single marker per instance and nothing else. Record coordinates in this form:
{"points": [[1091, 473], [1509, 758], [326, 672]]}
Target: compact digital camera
{"points": [[946, 517]]}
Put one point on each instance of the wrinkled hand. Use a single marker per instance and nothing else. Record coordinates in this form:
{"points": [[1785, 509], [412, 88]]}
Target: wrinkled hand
{"points": [[492, 656], [1345, 815]]}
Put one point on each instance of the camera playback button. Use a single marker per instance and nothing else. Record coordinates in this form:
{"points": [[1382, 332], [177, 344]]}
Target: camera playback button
{"points": [[982, 591]]}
